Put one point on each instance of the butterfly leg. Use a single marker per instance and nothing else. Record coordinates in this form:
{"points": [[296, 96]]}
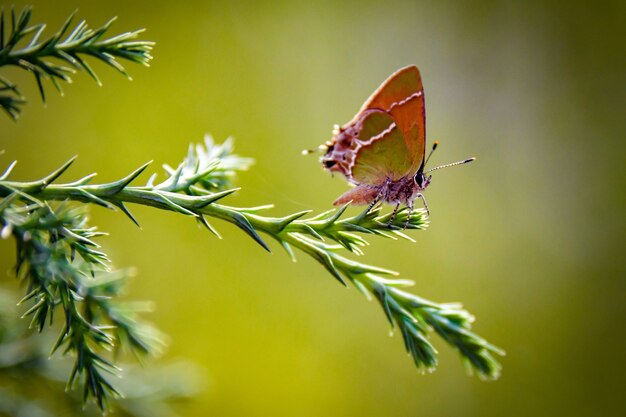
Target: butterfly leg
{"points": [[393, 215], [408, 216], [373, 203], [383, 190], [420, 195]]}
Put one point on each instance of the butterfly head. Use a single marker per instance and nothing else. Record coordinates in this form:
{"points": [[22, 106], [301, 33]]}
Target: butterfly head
{"points": [[422, 180]]}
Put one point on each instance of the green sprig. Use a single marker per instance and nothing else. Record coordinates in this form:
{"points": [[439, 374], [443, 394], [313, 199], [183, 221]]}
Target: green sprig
{"points": [[38, 55], [24, 365], [63, 269], [196, 188]]}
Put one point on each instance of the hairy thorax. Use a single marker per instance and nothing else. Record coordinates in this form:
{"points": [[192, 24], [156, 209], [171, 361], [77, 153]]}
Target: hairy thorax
{"points": [[402, 191]]}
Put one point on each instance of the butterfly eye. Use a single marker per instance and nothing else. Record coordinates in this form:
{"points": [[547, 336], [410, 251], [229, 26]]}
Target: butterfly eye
{"points": [[423, 180], [419, 179], [330, 164]]}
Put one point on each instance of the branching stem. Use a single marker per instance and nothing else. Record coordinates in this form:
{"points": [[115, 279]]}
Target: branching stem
{"points": [[198, 183]]}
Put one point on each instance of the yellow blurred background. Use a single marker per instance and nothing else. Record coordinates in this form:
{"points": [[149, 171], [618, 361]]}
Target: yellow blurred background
{"points": [[530, 237]]}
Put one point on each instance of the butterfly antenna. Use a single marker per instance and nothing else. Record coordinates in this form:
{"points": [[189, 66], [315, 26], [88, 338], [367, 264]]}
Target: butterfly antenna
{"points": [[431, 151], [452, 164]]}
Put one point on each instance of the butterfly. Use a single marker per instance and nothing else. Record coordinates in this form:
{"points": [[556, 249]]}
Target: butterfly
{"points": [[381, 150]]}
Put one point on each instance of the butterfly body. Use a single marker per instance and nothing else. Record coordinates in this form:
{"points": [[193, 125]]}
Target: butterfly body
{"points": [[403, 191], [381, 150]]}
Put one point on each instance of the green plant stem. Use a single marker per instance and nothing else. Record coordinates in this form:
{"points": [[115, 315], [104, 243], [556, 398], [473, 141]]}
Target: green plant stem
{"points": [[59, 56], [413, 315]]}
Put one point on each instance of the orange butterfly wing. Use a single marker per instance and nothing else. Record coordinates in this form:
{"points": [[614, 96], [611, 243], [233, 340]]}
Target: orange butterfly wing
{"points": [[402, 96]]}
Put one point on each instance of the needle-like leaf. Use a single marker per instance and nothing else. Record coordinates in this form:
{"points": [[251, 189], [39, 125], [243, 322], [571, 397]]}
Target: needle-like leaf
{"points": [[38, 55]]}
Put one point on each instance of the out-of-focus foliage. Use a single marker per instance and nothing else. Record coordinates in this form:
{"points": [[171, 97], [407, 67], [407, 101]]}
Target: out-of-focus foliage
{"points": [[37, 55], [31, 384]]}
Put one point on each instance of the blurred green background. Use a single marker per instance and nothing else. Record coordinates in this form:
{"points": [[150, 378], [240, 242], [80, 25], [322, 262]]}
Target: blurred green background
{"points": [[530, 237]]}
